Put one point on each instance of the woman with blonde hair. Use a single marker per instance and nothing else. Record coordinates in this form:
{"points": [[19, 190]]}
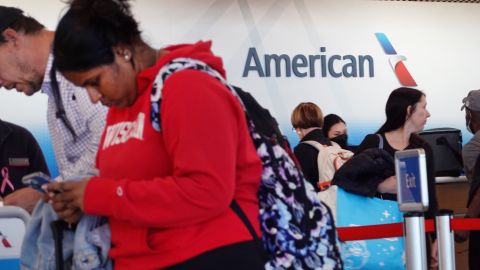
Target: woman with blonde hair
{"points": [[307, 121]]}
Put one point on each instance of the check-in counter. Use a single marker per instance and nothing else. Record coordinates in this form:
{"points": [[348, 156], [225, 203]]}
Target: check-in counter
{"points": [[450, 179], [452, 193]]}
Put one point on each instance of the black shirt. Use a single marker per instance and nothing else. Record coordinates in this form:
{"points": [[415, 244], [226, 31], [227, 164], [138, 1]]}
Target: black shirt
{"points": [[19, 155], [307, 155]]}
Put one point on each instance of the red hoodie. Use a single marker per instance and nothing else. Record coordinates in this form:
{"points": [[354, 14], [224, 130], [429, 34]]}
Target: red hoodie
{"points": [[167, 194]]}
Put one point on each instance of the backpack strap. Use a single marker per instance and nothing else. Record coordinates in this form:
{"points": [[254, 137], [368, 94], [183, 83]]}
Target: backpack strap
{"points": [[320, 146], [321, 185], [238, 210], [334, 144], [176, 65], [315, 144], [380, 141]]}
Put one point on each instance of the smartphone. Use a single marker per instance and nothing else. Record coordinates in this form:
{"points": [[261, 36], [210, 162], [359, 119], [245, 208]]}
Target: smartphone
{"points": [[36, 180]]}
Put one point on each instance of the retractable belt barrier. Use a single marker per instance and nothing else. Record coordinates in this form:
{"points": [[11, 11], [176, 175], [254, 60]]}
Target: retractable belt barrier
{"points": [[396, 229]]}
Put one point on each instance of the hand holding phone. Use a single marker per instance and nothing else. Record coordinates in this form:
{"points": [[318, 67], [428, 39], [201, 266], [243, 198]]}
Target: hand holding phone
{"points": [[36, 180]]}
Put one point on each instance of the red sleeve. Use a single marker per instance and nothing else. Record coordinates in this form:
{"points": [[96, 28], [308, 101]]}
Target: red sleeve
{"points": [[200, 121]]}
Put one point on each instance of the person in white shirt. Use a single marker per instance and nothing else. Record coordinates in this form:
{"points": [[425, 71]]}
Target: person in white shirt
{"points": [[26, 64]]}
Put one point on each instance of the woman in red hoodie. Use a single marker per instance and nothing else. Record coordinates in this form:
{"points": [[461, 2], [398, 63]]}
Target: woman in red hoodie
{"points": [[168, 173]]}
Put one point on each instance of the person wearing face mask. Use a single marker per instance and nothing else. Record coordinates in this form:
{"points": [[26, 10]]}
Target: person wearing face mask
{"points": [[471, 150], [470, 156], [335, 129], [307, 121]]}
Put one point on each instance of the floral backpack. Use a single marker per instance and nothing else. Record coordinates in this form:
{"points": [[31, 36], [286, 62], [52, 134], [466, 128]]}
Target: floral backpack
{"points": [[298, 231]]}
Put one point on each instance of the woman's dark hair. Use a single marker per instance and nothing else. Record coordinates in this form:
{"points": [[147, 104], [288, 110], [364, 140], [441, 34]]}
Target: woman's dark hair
{"points": [[396, 108], [89, 30], [328, 121], [85, 37]]}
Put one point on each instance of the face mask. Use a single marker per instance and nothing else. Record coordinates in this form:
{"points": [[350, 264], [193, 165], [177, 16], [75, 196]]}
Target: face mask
{"points": [[469, 129], [469, 122], [341, 140]]}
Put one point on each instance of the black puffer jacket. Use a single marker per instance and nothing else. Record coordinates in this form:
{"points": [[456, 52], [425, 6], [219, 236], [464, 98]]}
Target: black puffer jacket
{"points": [[363, 172]]}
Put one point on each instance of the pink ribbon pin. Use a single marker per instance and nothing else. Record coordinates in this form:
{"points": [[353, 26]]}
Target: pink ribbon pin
{"points": [[5, 180]]}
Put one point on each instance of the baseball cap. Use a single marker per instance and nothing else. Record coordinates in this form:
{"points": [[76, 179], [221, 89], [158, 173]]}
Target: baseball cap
{"points": [[9, 15], [472, 101]]}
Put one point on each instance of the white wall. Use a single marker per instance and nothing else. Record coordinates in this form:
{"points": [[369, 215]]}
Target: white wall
{"points": [[439, 40]]}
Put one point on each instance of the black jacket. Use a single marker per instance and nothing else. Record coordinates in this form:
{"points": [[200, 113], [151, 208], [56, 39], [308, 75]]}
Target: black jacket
{"points": [[19, 155], [373, 141], [307, 155], [475, 184], [363, 172]]}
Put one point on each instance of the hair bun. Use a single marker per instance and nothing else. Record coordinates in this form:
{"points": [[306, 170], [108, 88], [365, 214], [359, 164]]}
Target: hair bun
{"points": [[101, 7]]}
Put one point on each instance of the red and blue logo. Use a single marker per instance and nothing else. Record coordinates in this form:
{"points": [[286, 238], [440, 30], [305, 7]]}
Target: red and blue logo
{"points": [[396, 61]]}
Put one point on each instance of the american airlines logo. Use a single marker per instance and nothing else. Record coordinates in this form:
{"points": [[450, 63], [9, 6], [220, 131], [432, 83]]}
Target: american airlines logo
{"points": [[123, 131], [322, 64], [396, 61]]}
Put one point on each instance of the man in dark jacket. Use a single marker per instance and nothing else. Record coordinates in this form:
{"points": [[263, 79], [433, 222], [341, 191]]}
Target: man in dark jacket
{"points": [[471, 158], [471, 150]]}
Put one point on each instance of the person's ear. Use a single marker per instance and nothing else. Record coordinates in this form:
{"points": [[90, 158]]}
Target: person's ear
{"points": [[409, 112], [123, 52], [11, 35]]}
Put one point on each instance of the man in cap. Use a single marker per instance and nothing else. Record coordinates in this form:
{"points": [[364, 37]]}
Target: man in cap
{"points": [[471, 150], [471, 163], [26, 64]]}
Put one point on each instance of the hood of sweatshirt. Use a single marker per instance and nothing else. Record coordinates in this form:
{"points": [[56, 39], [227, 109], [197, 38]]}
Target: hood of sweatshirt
{"points": [[199, 51]]}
